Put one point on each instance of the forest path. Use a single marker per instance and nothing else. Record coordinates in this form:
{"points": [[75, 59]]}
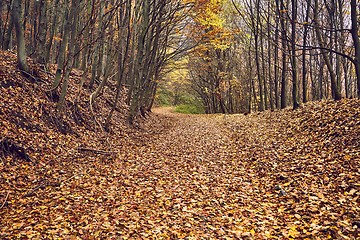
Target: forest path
{"points": [[211, 175], [196, 177], [276, 175], [257, 176]]}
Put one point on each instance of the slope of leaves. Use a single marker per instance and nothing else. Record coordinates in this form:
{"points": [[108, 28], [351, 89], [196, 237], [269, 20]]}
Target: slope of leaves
{"points": [[60, 149], [275, 175], [311, 156]]}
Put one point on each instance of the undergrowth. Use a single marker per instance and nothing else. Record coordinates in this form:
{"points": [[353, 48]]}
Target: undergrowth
{"points": [[189, 109]]}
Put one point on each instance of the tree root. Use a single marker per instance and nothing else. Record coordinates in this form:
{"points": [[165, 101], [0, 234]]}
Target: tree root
{"points": [[8, 146], [95, 150]]}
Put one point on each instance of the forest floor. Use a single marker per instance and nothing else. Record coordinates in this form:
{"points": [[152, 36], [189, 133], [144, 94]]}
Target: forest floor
{"points": [[272, 175]]}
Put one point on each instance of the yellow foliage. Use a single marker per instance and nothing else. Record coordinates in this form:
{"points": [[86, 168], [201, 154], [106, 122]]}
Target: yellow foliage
{"points": [[210, 23]]}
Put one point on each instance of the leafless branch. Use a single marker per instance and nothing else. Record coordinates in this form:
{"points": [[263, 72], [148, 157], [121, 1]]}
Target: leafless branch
{"points": [[3, 204]]}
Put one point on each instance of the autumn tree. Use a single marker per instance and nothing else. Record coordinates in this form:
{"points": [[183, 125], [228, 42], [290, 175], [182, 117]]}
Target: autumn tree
{"points": [[209, 64], [241, 54], [355, 37]]}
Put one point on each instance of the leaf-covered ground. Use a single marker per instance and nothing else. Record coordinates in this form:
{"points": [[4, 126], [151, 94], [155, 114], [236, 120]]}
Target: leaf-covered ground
{"points": [[274, 175]]}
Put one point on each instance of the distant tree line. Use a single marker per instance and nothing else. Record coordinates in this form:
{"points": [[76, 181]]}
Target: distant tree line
{"points": [[121, 43], [274, 54], [242, 55]]}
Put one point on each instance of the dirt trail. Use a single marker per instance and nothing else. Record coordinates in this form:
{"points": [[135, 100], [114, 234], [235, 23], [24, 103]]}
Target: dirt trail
{"points": [[257, 176], [202, 177], [199, 181]]}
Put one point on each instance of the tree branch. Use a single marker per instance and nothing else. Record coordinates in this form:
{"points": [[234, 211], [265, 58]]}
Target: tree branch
{"points": [[327, 49], [3, 204]]}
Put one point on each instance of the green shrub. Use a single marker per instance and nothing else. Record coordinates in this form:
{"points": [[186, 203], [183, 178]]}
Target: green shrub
{"points": [[163, 98], [189, 109]]}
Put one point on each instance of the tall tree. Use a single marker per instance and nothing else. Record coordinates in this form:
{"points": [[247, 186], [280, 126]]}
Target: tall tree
{"points": [[355, 37], [293, 55], [20, 40], [70, 26], [281, 11], [334, 88], [304, 67]]}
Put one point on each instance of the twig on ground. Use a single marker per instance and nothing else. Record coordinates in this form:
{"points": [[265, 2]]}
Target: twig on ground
{"points": [[42, 185], [3, 204], [95, 150], [66, 180], [92, 110], [29, 194], [35, 79]]}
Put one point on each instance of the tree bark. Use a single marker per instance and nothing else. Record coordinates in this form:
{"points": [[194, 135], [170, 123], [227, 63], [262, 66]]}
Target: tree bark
{"points": [[280, 6], [334, 88], [52, 31], [355, 37], [7, 35], [293, 54], [62, 50], [276, 62], [1, 23], [20, 40], [304, 69], [41, 33], [71, 25]]}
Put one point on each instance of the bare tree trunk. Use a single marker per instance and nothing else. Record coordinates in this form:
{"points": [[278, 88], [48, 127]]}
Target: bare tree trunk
{"points": [[20, 41], [304, 69], [321, 79], [1, 23], [40, 38], [10, 25], [280, 5], [311, 75], [276, 62], [251, 84], [62, 50], [293, 54], [122, 57], [355, 36], [263, 67], [52, 31], [257, 57], [271, 89], [346, 77], [86, 52], [71, 25], [342, 61], [334, 88], [100, 43]]}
